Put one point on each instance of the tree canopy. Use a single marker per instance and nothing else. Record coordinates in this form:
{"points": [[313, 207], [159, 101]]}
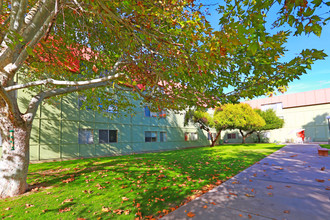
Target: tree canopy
{"points": [[271, 119], [246, 119], [162, 52]]}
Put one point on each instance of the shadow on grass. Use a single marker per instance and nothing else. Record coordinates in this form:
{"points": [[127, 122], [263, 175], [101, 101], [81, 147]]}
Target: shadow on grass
{"points": [[156, 181]]}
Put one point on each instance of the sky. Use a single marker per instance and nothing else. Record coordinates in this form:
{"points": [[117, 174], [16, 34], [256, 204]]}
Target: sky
{"points": [[316, 78]]}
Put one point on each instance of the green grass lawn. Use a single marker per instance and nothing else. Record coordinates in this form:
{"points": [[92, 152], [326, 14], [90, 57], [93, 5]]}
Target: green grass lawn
{"points": [[128, 187], [325, 145]]}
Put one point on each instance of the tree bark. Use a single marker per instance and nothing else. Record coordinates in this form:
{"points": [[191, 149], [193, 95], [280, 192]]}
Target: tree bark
{"points": [[215, 139], [259, 138], [244, 136], [15, 160]]}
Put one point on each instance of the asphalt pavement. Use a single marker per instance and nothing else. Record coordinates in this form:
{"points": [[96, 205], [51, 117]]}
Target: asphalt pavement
{"points": [[292, 183]]}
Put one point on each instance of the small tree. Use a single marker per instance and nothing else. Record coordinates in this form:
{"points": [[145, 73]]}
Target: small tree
{"points": [[271, 119], [246, 119], [221, 119]]}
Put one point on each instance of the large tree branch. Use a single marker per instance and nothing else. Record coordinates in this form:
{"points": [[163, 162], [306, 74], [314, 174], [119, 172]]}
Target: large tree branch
{"points": [[45, 11], [20, 14], [36, 100], [111, 76], [61, 82], [12, 104]]}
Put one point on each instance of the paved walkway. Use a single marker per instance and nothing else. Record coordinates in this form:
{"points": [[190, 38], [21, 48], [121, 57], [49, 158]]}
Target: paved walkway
{"points": [[292, 183]]}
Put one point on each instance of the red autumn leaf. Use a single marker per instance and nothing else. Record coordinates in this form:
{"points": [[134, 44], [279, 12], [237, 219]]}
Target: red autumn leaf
{"points": [[319, 180], [286, 211], [269, 187], [205, 206], [212, 203], [190, 214], [294, 155], [328, 188]]}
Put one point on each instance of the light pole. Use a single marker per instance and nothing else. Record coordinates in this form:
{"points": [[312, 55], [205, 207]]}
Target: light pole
{"points": [[328, 119]]}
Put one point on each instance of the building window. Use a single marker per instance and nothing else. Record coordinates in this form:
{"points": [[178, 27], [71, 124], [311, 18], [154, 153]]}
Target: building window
{"points": [[190, 136], [162, 114], [150, 136], [148, 113], [85, 136], [274, 106], [163, 136], [213, 135], [231, 136], [107, 136]]}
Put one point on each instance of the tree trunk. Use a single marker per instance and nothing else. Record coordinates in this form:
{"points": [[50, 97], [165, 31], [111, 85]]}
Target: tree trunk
{"points": [[243, 139], [215, 139], [15, 157], [259, 138], [244, 136]]}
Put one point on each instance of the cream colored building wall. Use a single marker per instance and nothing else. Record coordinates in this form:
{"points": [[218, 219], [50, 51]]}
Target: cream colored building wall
{"points": [[311, 118]]}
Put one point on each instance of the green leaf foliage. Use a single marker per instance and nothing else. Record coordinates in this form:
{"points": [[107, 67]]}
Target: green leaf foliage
{"points": [[271, 119]]}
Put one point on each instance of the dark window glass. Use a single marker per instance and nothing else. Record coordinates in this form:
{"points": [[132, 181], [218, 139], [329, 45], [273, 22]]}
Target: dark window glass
{"points": [[112, 136], [103, 136], [150, 136], [107, 136]]}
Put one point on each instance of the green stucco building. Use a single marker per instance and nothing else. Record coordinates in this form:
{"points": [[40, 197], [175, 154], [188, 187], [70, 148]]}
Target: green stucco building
{"points": [[64, 130]]}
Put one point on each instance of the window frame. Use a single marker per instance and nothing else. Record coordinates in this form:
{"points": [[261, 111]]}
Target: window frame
{"points": [[161, 137], [108, 136], [231, 136], [152, 139], [82, 133]]}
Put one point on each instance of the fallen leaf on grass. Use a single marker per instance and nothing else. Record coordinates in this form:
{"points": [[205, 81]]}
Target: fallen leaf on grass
{"points": [[118, 211], [190, 214], [269, 187], [322, 168], [286, 211], [319, 180], [328, 188], [212, 203], [66, 209], [125, 198], [105, 209], [205, 207], [45, 210], [7, 209], [126, 212], [294, 155], [233, 194], [68, 180], [28, 205], [67, 200]]}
